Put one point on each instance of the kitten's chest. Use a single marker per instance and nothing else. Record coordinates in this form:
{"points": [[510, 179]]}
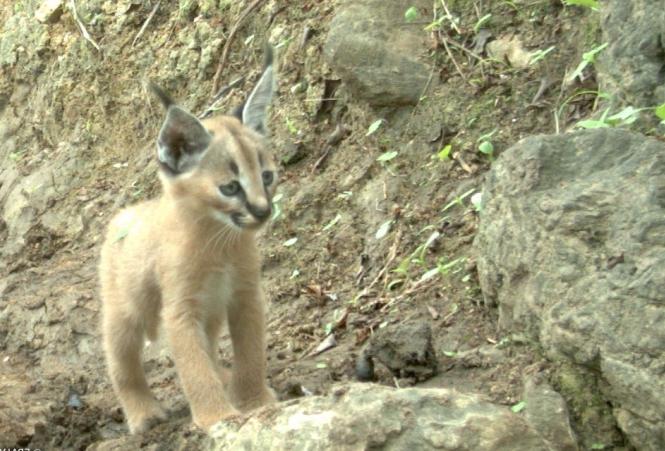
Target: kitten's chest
{"points": [[217, 288]]}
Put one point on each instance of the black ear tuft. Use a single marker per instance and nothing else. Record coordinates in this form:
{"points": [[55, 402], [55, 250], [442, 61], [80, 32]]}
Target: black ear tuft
{"points": [[255, 109], [163, 97], [237, 111], [182, 141]]}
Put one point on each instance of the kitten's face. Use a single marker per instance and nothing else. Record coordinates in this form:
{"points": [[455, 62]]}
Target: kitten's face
{"points": [[236, 176], [219, 167]]}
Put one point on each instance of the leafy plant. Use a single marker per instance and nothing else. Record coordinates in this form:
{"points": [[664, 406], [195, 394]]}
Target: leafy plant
{"points": [[383, 229], [486, 145], [457, 200], [444, 154], [539, 55], [482, 21], [411, 14], [332, 222], [387, 156], [587, 58], [277, 209], [626, 116], [291, 126], [660, 112], [374, 127], [417, 256], [517, 408], [593, 4]]}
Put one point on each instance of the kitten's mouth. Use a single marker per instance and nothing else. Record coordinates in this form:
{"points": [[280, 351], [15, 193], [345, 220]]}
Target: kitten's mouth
{"points": [[240, 220]]}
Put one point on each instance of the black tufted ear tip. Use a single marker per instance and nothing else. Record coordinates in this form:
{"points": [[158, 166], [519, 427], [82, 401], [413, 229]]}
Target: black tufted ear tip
{"points": [[163, 97]]}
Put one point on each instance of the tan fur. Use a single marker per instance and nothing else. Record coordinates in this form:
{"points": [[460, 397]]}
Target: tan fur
{"points": [[171, 259]]}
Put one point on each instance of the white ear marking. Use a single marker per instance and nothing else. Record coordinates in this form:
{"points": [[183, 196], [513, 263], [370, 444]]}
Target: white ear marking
{"points": [[254, 111]]}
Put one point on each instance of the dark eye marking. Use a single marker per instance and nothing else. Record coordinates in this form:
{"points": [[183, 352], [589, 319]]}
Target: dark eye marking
{"points": [[231, 189], [268, 177], [234, 167]]}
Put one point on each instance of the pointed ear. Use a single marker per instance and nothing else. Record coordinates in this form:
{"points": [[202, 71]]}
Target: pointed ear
{"points": [[255, 108], [182, 141]]}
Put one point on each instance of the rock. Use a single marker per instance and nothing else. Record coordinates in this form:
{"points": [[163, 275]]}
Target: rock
{"points": [[511, 50], [546, 411], [377, 54], [49, 11], [570, 247], [631, 67], [367, 416], [406, 350]]}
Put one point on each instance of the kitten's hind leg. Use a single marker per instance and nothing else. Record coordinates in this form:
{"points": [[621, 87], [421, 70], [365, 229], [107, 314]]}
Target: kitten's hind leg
{"points": [[123, 342]]}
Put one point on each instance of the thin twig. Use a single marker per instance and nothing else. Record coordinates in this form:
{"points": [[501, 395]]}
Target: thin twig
{"points": [[147, 21], [461, 47], [450, 17], [227, 45], [450, 54], [82, 28], [220, 95]]}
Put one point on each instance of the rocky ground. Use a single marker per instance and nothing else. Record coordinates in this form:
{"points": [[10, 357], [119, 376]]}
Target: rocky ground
{"points": [[547, 333]]}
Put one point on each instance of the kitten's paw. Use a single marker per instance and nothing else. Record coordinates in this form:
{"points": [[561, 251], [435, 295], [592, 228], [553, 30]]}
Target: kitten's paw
{"points": [[146, 419], [205, 422], [265, 396]]}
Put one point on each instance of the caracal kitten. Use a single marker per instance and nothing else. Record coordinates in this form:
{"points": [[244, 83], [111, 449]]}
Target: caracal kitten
{"points": [[190, 259]]}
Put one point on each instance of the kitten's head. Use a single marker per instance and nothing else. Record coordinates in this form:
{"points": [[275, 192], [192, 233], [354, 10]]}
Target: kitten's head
{"points": [[220, 167]]}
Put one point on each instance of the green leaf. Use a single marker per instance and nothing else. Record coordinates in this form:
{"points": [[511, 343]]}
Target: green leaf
{"points": [[482, 21], [486, 147], [290, 242], [517, 408], [387, 156], [593, 4], [444, 154], [590, 56], [449, 353], [321, 365], [429, 274], [539, 55], [598, 446], [374, 127], [587, 58], [334, 221], [411, 14], [626, 116], [660, 111], [590, 123], [383, 229]]}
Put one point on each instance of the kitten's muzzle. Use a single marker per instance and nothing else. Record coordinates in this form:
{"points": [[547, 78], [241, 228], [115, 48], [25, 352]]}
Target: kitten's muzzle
{"points": [[259, 213]]}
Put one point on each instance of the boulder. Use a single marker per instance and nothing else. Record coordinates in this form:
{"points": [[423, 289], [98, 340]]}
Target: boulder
{"points": [[547, 412], [367, 416], [571, 247], [378, 55], [632, 67], [406, 350]]}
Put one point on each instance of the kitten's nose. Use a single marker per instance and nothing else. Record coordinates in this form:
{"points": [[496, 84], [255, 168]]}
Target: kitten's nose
{"points": [[260, 213]]}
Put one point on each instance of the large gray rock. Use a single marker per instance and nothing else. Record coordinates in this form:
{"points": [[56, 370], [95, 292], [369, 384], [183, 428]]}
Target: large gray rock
{"points": [[366, 416], [571, 246], [631, 68], [377, 54]]}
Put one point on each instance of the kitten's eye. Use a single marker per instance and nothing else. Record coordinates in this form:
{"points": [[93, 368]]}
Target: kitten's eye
{"points": [[230, 189], [268, 177]]}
